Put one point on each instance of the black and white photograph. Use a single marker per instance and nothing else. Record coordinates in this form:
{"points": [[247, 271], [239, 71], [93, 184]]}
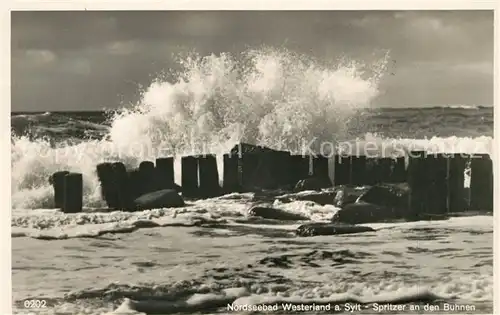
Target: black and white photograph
{"points": [[252, 161]]}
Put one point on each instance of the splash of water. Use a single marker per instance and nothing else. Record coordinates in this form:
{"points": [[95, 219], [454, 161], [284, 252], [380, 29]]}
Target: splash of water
{"points": [[273, 98]]}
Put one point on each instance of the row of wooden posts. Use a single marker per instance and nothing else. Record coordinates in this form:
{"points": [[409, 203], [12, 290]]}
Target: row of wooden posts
{"points": [[436, 181]]}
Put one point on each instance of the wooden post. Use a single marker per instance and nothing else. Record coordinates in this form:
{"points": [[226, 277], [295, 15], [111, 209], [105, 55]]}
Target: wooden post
{"points": [[266, 171], [320, 166], [371, 171], [320, 170], [73, 193], [358, 170], [109, 190], [383, 170], [148, 181], [208, 176], [283, 172], [164, 170], [342, 170], [310, 169], [57, 181], [271, 169], [398, 174], [417, 184], [437, 183], [189, 166], [230, 182], [456, 178], [126, 193], [247, 166], [132, 186], [481, 184], [299, 168]]}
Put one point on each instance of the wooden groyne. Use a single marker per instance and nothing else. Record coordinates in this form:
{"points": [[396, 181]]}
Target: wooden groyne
{"points": [[68, 191], [436, 181], [481, 186]]}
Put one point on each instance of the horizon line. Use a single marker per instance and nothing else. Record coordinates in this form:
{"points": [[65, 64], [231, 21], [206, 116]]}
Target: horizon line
{"points": [[453, 106]]}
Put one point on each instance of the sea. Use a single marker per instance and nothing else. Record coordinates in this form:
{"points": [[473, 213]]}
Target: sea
{"points": [[210, 257]]}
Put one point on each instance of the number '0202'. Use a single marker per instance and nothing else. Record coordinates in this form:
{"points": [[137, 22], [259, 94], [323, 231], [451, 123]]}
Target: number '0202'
{"points": [[35, 303]]}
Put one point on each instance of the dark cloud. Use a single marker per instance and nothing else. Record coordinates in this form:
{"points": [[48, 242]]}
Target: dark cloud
{"points": [[89, 60]]}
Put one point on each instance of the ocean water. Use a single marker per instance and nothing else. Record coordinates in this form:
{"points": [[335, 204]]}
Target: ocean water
{"points": [[209, 254]]}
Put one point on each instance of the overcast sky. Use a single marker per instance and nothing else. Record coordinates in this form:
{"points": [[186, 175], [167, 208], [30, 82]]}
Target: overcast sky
{"points": [[93, 60]]}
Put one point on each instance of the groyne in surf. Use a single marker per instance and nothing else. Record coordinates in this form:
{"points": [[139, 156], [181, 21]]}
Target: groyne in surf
{"points": [[435, 181]]}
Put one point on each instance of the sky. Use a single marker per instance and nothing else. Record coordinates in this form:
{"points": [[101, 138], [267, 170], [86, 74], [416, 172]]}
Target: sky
{"points": [[91, 60]]}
